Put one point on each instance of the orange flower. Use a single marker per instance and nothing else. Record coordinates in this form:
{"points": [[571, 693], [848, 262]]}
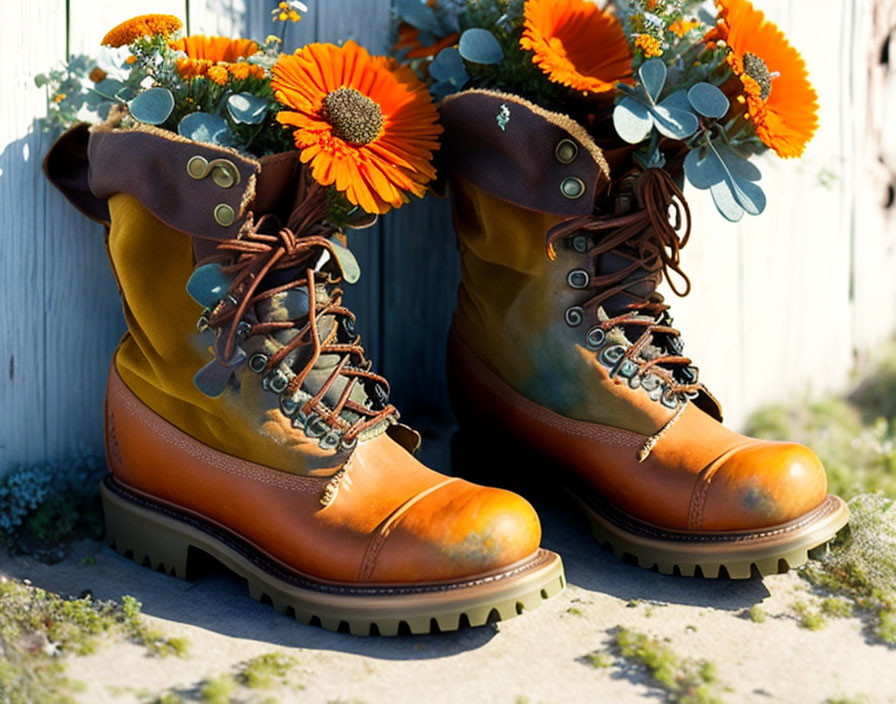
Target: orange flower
{"points": [[780, 100], [218, 74], [97, 74], [681, 27], [409, 38], [363, 123], [142, 26], [564, 36], [204, 52]]}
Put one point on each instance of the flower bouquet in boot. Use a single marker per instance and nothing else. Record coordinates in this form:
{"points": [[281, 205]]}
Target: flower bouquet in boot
{"points": [[569, 133], [243, 418]]}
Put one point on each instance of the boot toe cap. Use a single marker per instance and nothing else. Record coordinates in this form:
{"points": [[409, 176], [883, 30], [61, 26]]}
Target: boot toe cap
{"points": [[762, 485], [459, 530]]}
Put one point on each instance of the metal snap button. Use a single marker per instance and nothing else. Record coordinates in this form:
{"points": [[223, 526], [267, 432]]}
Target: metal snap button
{"points": [[258, 362], [572, 187], [288, 405], [578, 278], [566, 151], [224, 215], [197, 167], [574, 316], [224, 173]]}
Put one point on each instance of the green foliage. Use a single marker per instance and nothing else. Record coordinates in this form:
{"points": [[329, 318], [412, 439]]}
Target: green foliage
{"points": [[599, 659], [37, 626], [217, 690], [809, 617], [860, 564], [265, 671], [683, 681], [756, 614]]}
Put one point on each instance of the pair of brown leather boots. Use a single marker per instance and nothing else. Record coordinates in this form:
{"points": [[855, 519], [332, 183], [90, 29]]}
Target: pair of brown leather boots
{"points": [[244, 421]]}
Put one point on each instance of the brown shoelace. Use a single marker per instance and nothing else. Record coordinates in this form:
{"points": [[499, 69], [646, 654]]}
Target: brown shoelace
{"points": [[301, 243], [656, 232]]}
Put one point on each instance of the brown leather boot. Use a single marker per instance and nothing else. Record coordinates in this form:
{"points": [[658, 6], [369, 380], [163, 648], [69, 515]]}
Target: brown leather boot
{"points": [[264, 438], [562, 349]]}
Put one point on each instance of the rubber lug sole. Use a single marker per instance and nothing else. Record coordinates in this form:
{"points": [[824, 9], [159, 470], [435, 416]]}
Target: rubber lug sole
{"points": [[177, 544], [739, 555]]}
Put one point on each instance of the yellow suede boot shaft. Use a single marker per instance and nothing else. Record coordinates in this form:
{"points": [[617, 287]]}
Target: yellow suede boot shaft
{"points": [[163, 350]]}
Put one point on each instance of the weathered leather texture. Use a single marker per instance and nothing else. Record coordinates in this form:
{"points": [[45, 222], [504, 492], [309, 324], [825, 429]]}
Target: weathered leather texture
{"points": [[699, 477], [393, 520]]}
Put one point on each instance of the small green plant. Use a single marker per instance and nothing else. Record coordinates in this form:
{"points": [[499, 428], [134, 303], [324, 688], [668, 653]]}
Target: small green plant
{"points": [[599, 659], [217, 690], [265, 671], [756, 614], [809, 617], [836, 607], [574, 611], [683, 681]]}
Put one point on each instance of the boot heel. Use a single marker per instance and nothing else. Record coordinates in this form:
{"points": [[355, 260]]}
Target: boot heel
{"points": [[134, 532]]}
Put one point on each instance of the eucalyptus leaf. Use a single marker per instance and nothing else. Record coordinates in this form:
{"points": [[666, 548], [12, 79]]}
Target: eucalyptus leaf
{"points": [[442, 89], [678, 100], [110, 88], [480, 47], [740, 167], [418, 14], [726, 201], [748, 194], [102, 110], [152, 106], [708, 100], [653, 77], [701, 171], [351, 272], [673, 122], [449, 67], [632, 120], [204, 127], [247, 109]]}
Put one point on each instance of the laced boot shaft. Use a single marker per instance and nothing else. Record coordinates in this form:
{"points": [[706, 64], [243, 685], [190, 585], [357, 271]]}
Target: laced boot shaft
{"points": [[626, 254], [282, 315]]}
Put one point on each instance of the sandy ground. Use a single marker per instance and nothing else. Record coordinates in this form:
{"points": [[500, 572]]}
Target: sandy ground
{"points": [[533, 658]]}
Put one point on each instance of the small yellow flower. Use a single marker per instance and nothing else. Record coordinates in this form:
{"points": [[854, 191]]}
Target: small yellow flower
{"points": [[649, 46], [239, 71], [289, 11], [218, 74], [142, 26], [59, 98], [681, 27], [131, 59]]}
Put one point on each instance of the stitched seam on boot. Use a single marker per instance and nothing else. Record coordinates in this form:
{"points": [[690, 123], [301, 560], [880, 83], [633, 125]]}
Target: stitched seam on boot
{"points": [[701, 487], [372, 554], [215, 458]]}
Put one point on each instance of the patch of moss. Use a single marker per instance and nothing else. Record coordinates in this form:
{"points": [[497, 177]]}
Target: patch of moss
{"points": [[836, 607], [599, 659], [574, 611], [265, 671], [684, 681], [755, 613], [37, 626], [217, 690], [860, 564], [809, 617]]}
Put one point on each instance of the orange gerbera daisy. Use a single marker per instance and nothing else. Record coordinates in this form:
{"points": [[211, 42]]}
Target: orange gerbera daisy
{"points": [[142, 26], [204, 52], [563, 35], [779, 98], [363, 123]]}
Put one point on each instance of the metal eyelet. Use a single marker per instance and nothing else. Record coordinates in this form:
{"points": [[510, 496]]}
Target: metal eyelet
{"points": [[634, 381], [627, 369], [258, 362], [657, 393], [611, 355], [689, 374], [574, 316], [572, 187], [315, 426], [330, 441], [350, 445], [224, 215], [595, 337], [348, 326], [224, 173], [566, 151], [202, 323], [670, 398], [298, 420], [650, 382], [288, 405], [243, 329], [676, 345], [578, 278], [276, 381], [580, 243]]}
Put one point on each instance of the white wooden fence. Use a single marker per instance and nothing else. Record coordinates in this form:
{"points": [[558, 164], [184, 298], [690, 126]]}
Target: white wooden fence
{"points": [[782, 304]]}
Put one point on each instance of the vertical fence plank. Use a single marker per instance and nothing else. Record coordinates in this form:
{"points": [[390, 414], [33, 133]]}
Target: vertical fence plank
{"points": [[224, 18], [769, 313], [38, 43]]}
